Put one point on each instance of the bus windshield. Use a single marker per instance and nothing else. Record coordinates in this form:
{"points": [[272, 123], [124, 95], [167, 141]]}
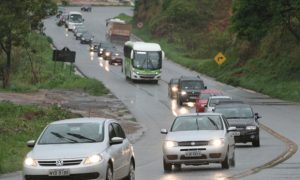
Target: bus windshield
{"points": [[75, 18], [147, 60]]}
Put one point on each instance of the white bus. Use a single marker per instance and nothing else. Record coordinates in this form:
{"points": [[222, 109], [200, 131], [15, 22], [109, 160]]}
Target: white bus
{"points": [[74, 18], [143, 61]]}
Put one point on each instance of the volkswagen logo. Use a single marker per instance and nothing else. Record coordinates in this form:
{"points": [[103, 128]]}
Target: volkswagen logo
{"points": [[193, 143], [59, 163]]}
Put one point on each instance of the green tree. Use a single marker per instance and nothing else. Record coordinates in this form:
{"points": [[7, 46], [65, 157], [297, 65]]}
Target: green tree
{"points": [[18, 18]]}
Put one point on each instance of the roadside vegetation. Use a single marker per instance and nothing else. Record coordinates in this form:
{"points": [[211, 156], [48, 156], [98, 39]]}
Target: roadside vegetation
{"points": [[261, 41], [20, 123]]}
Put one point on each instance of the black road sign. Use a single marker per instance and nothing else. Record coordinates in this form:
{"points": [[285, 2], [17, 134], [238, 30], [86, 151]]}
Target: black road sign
{"points": [[64, 55]]}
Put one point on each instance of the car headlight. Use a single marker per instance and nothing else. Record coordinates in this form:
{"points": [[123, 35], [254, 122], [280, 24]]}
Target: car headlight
{"points": [[93, 159], [116, 54], [107, 54], [216, 142], [30, 162], [169, 144], [183, 93], [83, 39], [101, 49], [250, 127], [174, 88]]}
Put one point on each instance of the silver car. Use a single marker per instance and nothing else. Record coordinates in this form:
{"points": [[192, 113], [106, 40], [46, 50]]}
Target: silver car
{"points": [[82, 148], [198, 139], [213, 100]]}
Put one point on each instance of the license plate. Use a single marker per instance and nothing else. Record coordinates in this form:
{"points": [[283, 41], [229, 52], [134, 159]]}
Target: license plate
{"points": [[192, 153], [236, 133], [59, 172], [192, 97]]}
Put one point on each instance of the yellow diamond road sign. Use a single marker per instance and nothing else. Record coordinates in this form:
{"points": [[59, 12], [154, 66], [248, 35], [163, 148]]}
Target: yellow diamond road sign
{"points": [[220, 58]]}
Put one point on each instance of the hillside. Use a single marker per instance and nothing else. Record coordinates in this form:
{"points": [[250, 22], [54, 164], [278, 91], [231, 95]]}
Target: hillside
{"points": [[261, 48]]}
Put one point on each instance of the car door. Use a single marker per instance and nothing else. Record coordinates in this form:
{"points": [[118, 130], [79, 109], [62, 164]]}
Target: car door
{"points": [[115, 151], [126, 150]]}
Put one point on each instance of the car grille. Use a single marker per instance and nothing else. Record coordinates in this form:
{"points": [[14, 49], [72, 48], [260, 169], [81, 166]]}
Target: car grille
{"points": [[85, 176], [193, 143], [147, 75], [63, 162], [193, 94]]}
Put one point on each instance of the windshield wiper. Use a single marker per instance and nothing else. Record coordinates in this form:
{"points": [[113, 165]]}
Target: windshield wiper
{"points": [[63, 137], [213, 122], [79, 136]]}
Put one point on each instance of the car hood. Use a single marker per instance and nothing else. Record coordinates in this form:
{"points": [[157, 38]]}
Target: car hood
{"points": [[241, 122], [194, 135], [54, 151]]}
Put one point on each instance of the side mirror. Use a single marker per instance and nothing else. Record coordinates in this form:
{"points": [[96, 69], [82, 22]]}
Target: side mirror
{"points": [[213, 109], [164, 131], [31, 143], [205, 87], [205, 105], [257, 116], [230, 129], [116, 140], [131, 55], [162, 55]]}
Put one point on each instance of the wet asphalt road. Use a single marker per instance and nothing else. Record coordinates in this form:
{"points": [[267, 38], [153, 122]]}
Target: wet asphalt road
{"points": [[151, 106]]}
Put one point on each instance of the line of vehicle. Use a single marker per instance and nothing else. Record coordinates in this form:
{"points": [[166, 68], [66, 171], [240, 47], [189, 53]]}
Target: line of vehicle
{"points": [[289, 152]]}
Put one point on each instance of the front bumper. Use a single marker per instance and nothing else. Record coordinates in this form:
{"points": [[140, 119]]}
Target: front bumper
{"points": [[246, 136], [209, 154], [78, 172], [186, 98], [136, 76]]}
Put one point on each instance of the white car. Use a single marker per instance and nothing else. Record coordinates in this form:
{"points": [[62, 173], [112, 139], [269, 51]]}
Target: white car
{"points": [[82, 148], [198, 139], [213, 100]]}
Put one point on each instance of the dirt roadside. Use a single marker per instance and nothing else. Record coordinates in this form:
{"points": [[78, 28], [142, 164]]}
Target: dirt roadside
{"points": [[77, 101]]}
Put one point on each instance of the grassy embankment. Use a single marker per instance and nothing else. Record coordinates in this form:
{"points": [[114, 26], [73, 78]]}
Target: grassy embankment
{"points": [[19, 123], [268, 73]]}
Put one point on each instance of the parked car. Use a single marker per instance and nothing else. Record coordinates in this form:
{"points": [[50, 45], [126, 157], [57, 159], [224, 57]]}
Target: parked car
{"points": [[202, 100], [102, 46], [94, 46], [189, 89], [82, 148], [87, 8], [241, 116], [199, 139], [213, 100], [173, 88], [86, 38]]}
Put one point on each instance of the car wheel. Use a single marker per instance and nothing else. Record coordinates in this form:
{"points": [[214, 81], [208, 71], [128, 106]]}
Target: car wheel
{"points": [[109, 173], [167, 166], [232, 161], [131, 173], [225, 163], [256, 143]]}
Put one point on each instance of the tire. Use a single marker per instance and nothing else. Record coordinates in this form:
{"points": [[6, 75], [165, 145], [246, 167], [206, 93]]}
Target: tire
{"points": [[179, 102], [167, 166], [256, 143], [225, 163], [131, 173], [109, 173], [232, 161]]}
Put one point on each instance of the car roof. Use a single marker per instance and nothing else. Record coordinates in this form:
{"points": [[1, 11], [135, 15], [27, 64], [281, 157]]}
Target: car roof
{"points": [[201, 114], [188, 78], [210, 91], [232, 104], [81, 120], [220, 97]]}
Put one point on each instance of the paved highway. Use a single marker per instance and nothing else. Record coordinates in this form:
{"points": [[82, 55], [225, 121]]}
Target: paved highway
{"points": [[150, 104]]}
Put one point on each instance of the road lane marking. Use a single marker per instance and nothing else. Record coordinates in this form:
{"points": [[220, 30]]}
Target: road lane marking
{"points": [[289, 152]]}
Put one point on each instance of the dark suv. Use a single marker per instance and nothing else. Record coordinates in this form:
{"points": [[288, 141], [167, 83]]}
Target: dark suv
{"points": [[189, 89], [241, 116]]}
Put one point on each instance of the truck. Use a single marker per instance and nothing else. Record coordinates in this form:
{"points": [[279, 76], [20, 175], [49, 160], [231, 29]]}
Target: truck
{"points": [[118, 29]]}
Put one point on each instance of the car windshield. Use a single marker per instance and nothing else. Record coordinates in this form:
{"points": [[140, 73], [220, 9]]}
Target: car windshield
{"points": [[196, 123], [235, 112], [214, 102], [106, 45], [186, 85], [147, 60], [76, 18], [72, 133]]}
